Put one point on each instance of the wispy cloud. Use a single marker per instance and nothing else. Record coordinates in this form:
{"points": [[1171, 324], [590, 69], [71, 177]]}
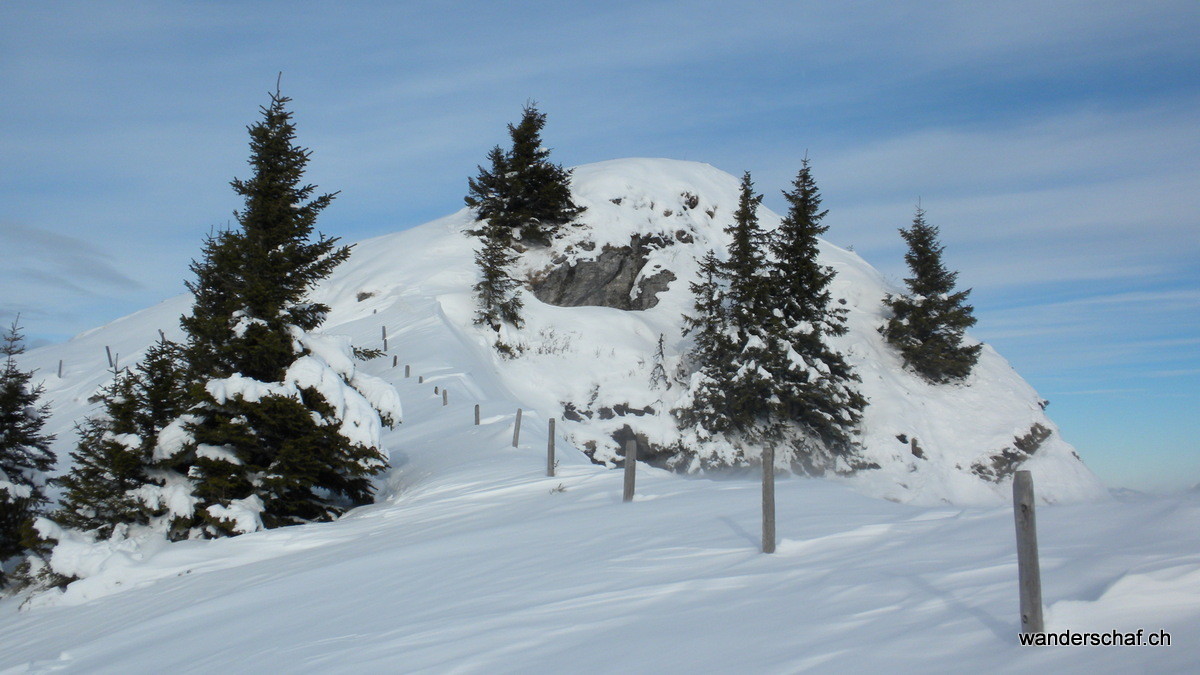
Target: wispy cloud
{"points": [[46, 254]]}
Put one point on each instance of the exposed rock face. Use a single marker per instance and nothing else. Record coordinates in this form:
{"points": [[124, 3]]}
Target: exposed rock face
{"points": [[1002, 464], [611, 279]]}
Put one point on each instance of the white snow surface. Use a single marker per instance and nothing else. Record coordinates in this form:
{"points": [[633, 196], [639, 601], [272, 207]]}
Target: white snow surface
{"points": [[472, 560]]}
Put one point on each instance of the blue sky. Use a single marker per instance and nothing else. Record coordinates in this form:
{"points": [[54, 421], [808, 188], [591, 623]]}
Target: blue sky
{"points": [[1056, 145]]}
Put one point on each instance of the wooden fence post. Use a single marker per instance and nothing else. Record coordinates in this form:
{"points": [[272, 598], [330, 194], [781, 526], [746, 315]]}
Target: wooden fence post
{"points": [[630, 468], [108, 352], [420, 379], [395, 360], [550, 450], [1029, 573], [406, 370], [161, 335], [445, 397], [517, 428], [384, 329], [476, 414], [435, 391], [60, 369], [768, 500]]}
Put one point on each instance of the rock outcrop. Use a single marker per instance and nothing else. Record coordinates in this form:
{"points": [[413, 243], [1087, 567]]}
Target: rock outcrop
{"points": [[617, 278]]}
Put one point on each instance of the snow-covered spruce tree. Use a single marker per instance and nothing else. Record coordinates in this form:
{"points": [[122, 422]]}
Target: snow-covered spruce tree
{"points": [[814, 384], [523, 184], [928, 322], [703, 408], [730, 392], [751, 392], [285, 429], [116, 480], [25, 454]]}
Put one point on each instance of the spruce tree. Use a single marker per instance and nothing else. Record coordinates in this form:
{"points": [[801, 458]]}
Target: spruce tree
{"points": [[523, 184], [25, 454], [704, 408], [498, 293], [813, 381], [730, 392], [116, 480], [270, 440], [658, 372], [929, 321], [751, 318], [108, 465]]}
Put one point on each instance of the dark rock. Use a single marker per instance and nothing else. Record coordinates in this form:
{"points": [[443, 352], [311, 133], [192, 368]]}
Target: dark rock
{"points": [[608, 280], [623, 409], [1002, 464], [570, 412], [645, 451]]}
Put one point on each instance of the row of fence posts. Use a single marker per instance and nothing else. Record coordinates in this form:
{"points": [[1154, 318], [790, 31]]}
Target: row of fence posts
{"points": [[1028, 567], [1029, 573]]}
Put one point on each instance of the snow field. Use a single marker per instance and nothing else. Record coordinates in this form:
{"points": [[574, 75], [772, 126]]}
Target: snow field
{"points": [[472, 562]]}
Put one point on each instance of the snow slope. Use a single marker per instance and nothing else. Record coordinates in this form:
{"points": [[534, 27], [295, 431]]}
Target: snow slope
{"points": [[473, 561]]}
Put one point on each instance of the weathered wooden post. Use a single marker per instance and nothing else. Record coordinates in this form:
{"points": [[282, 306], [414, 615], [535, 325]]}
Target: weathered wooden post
{"points": [[768, 500], [406, 370], [161, 335], [476, 414], [550, 450], [445, 397], [108, 352], [420, 379], [435, 391], [60, 369], [630, 468], [384, 329], [517, 428], [1029, 572], [395, 360]]}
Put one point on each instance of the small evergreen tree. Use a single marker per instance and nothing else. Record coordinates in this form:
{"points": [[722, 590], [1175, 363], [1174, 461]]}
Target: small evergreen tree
{"points": [[704, 407], [270, 440], [523, 184], [108, 465], [928, 323], [813, 381], [497, 291], [658, 373], [116, 479], [25, 454]]}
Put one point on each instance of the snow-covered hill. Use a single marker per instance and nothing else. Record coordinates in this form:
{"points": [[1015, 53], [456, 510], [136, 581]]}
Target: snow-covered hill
{"points": [[472, 560], [652, 218]]}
